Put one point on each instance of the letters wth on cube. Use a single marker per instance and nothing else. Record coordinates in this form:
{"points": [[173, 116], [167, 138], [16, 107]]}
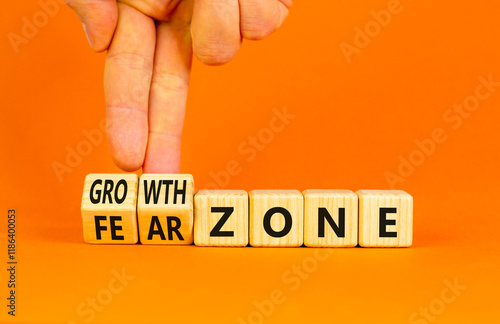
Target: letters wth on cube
{"points": [[165, 209]]}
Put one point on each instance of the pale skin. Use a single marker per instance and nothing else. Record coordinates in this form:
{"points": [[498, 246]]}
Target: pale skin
{"points": [[150, 45]]}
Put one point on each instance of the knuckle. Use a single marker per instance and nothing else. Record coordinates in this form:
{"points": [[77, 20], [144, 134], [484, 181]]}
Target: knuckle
{"points": [[161, 9], [131, 61], [169, 81]]}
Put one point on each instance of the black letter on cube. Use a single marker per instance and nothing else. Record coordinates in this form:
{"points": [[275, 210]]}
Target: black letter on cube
{"points": [[384, 222], [267, 221]]}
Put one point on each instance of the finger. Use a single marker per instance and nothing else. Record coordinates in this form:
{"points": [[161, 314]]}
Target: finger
{"points": [[215, 30], [287, 3], [127, 79], [158, 9], [167, 101], [284, 6], [99, 20], [259, 18]]}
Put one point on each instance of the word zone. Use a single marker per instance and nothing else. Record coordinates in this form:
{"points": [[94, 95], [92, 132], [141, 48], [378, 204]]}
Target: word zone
{"points": [[166, 211]]}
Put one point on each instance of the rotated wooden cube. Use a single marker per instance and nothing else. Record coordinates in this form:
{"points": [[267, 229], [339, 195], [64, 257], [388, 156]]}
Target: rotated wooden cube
{"points": [[276, 218], [109, 208], [165, 209], [330, 218], [221, 218], [385, 218]]}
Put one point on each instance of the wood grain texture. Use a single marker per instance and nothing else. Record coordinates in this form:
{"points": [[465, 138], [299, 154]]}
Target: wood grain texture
{"points": [[261, 201], [117, 219], [370, 204], [331, 201], [165, 215], [206, 218]]}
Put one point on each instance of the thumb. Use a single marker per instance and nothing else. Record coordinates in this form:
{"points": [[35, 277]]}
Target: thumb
{"points": [[99, 20]]}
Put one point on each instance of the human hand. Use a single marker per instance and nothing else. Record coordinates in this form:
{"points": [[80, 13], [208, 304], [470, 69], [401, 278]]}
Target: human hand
{"points": [[150, 45]]}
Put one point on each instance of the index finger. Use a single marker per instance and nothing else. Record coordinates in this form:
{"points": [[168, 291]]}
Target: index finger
{"points": [[127, 78]]}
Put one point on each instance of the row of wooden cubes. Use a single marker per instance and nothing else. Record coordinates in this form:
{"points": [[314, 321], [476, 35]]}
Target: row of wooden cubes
{"points": [[166, 211]]}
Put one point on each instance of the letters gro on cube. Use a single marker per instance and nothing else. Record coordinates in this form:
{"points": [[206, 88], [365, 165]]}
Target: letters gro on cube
{"points": [[164, 209]]}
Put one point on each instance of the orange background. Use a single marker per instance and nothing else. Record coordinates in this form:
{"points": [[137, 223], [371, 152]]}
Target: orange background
{"points": [[353, 122]]}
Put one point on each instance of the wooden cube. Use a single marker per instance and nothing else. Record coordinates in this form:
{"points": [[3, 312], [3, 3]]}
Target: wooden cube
{"points": [[109, 208], [385, 218], [165, 209], [330, 218], [276, 218], [221, 218]]}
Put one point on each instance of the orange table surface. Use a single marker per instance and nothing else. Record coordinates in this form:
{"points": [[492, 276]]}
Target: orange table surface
{"points": [[352, 121]]}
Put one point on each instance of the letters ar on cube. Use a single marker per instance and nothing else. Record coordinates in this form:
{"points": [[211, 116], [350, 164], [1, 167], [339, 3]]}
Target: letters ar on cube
{"points": [[164, 209]]}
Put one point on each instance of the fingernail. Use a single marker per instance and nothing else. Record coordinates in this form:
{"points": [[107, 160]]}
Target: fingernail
{"points": [[89, 36]]}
